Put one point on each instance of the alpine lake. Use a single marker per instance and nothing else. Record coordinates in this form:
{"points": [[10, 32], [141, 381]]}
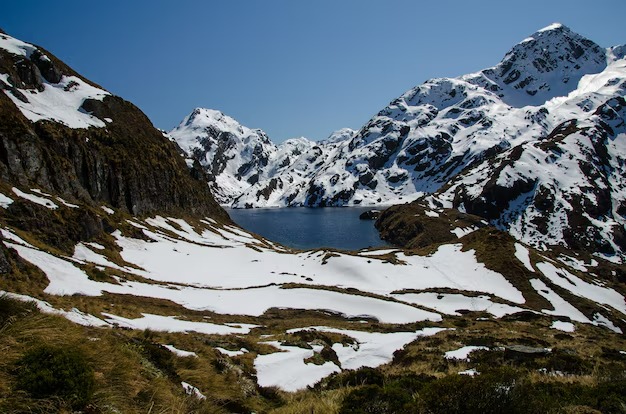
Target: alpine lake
{"points": [[311, 228]]}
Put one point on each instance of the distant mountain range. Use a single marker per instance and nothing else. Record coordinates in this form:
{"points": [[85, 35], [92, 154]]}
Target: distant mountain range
{"points": [[529, 144]]}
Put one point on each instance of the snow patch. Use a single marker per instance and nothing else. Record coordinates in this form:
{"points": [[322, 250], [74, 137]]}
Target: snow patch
{"points": [[523, 255], [180, 352], [232, 353], [191, 390], [563, 326], [35, 199], [172, 324], [463, 352], [5, 201]]}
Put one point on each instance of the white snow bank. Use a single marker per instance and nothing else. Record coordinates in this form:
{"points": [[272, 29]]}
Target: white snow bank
{"points": [[463, 352], [601, 320], [463, 231], [226, 260], [180, 352], [171, 324], [523, 255], [5, 201], [60, 102], [42, 201], [73, 315], [579, 287], [373, 348], [563, 326], [232, 353], [287, 369], [561, 306], [451, 303]]}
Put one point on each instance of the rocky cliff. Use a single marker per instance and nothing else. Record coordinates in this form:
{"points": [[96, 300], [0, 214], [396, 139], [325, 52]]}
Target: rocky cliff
{"points": [[61, 133]]}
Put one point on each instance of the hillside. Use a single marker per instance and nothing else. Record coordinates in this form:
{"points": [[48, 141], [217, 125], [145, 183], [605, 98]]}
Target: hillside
{"points": [[126, 288]]}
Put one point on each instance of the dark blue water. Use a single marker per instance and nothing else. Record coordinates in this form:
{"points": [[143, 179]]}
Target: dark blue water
{"points": [[311, 228]]}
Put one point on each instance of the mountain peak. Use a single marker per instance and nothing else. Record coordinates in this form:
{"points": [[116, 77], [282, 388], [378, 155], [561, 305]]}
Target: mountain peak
{"points": [[543, 66], [554, 27]]}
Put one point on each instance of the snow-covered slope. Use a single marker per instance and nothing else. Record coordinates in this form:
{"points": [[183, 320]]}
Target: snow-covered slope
{"points": [[561, 183], [51, 94], [421, 140], [241, 160], [432, 132], [234, 156]]}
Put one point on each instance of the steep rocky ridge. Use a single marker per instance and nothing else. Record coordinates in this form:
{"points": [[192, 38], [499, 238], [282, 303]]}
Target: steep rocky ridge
{"points": [[64, 134]]}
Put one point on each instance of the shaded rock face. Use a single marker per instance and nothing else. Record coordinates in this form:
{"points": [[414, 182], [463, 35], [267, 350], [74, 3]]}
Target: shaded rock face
{"points": [[128, 164]]}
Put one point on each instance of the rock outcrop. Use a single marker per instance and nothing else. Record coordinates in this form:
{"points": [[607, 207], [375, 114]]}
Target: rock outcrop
{"points": [[63, 134]]}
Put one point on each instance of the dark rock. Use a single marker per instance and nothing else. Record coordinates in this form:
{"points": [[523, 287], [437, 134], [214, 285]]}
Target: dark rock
{"points": [[370, 215], [128, 165], [5, 266], [46, 67]]}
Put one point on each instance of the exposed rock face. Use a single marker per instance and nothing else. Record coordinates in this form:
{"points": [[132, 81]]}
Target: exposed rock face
{"points": [[86, 144], [567, 188], [235, 157], [370, 215]]}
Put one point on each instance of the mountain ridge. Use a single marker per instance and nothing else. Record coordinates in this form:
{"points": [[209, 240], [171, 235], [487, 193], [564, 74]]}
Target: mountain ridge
{"points": [[445, 127]]}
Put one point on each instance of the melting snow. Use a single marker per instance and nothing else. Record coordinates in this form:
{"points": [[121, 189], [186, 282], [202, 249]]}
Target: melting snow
{"points": [[563, 326], [288, 371], [561, 307], [579, 287], [73, 315], [523, 256], [35, 199], [171, 324], [232, 353], [463, 353], [601, 320], [463, 231], [180, 352], [191, 390], [60, 102], [5, 201], [451, 303]]}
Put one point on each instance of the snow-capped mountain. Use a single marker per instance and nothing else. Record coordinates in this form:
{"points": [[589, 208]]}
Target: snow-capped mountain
{"points": [[425, 137], [237, 158], [432, 132], [533, 144]]}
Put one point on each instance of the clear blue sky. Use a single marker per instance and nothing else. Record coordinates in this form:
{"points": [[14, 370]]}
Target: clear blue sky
{"points": [[290, 67]]}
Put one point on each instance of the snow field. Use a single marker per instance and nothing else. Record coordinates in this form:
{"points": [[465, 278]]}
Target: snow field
{"points": [[289, 371]]}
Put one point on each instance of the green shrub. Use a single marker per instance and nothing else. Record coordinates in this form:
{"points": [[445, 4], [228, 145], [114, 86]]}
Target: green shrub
{"points": [[11, 309], [51, 371], [486, 393], [353, 378], [372, 399]]}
